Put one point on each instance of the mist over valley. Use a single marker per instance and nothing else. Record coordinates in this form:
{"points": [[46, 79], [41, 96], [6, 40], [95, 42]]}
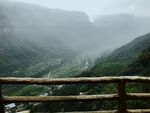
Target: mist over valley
{"points": [[39, 40]]}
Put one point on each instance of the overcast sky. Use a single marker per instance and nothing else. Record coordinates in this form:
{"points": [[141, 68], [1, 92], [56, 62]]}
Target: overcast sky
{"points": [[99, 7]]}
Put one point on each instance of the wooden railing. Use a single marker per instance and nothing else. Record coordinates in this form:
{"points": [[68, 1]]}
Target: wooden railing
{"points": [[121, 96]]}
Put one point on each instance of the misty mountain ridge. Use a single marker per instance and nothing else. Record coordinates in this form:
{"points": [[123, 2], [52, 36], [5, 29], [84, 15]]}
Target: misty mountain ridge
{"points": [[121, 61], [136, 64], [24, 53], [134, 48], [122, 28], [74, 28], [36, 41], [40, 36], [39, 21]]}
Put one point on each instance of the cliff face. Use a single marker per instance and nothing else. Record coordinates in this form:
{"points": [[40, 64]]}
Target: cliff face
{"points": [[39, 23], [24, 45]]}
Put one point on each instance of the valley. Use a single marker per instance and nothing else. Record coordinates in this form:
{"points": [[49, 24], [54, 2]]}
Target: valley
{"points": [[41, 42]]}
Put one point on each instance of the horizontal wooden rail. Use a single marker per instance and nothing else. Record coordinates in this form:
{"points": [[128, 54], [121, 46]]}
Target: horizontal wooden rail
{"points": [[57, 81], [122, 96], [108, 111], [139, 111], [141, 96], [59, 98], [82, 80], [114, 111]]}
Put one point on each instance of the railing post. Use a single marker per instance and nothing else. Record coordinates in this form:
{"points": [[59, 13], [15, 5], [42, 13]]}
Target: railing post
{"points": [[122, 97], [1, 103]]}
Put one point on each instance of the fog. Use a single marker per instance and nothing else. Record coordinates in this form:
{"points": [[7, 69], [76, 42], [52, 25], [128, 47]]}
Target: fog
{"points": [[114, 22], [69, 39], [98, 7], [59, 35]]}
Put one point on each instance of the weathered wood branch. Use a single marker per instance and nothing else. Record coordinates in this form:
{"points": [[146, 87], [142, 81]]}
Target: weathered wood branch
{"points": [[141, 96], [58, 81], [109, 111], [106, 111], [82, 80], [19, 99], [112, 111], [139, 111]]}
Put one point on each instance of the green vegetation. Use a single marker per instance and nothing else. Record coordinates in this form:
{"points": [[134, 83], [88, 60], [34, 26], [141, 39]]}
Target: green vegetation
{"points": [[38, 52], [113, 65]]}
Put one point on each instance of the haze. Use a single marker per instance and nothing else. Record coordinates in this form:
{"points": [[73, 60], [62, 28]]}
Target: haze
{"points": [[98, 7], [56, 36], [114, 22]]}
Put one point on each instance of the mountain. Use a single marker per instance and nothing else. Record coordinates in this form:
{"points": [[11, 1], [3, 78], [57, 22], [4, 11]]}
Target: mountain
{"points": [[36, 41], [134, 48], [141, 66], [74, 28], [115, 63], [122, 28], [131, 59], [71, 27], [21, 50], [40, 42]]}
